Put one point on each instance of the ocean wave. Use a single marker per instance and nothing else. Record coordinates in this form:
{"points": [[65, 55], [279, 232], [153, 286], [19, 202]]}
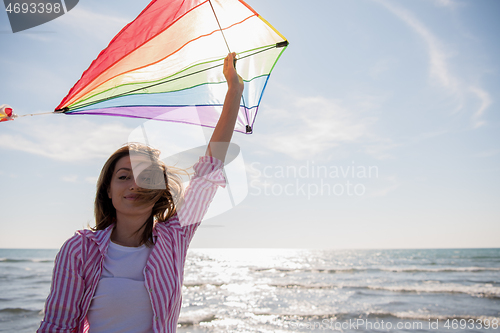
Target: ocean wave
{"points": [[19, 311], [492, 282], [7, 260], [492, 257], [431, 287], [342, 316], [473, 269], [200, 284], [303, 286], [440, 270], [310, 270], [31, 278], [433, 317], [191, 320], [476, 291]]}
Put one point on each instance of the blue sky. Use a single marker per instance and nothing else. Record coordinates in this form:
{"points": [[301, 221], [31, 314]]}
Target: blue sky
{"points": [[408, 90]]}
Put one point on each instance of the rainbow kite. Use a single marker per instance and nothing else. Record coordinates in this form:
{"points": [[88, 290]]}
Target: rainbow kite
{"points": [[167, 64]]}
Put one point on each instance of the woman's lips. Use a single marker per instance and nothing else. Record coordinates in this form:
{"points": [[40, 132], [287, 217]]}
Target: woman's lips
{"points": [[131, 197]]}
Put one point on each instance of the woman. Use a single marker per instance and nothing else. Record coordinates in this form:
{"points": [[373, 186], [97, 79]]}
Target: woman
{"points": [[126, 274]]}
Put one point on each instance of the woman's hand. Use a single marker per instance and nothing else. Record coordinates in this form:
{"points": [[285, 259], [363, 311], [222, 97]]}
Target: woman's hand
{"points": [[234, 81]]}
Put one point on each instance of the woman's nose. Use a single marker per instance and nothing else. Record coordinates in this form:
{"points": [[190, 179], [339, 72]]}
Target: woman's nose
{"points": [[133, 186]]}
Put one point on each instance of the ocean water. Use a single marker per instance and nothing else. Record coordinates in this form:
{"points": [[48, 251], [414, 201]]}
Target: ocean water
{"points": [[291, 290]]}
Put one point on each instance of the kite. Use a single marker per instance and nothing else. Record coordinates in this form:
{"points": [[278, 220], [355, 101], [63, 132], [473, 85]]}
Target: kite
{"points": [[167, 64]]}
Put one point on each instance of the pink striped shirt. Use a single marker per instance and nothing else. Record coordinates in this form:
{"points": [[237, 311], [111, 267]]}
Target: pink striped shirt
{"points": [[78, 264]]}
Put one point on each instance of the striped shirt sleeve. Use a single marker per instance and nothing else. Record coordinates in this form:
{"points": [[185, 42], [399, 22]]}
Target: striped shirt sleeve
{"points": [[63, 308], [200, 192]]}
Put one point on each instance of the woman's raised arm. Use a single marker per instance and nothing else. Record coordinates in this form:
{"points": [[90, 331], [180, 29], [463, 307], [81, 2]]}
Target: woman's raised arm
{"points": [[223, 132]]}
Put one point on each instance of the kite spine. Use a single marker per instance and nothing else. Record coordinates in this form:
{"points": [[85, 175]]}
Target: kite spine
{"points": [[220, 28]]}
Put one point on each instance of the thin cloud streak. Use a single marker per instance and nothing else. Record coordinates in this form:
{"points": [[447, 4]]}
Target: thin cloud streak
{"points": [[70, 178], [446, 3], [485, 100], [437, 56], [439, 67], [91, 180], [487, 153]]}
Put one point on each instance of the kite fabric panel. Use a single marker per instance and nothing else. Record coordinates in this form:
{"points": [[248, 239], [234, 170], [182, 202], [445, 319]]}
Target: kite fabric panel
{"points": [[167, 64]]}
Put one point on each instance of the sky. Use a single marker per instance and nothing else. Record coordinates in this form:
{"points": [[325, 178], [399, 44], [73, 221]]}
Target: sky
{"points": [[379, 128]]}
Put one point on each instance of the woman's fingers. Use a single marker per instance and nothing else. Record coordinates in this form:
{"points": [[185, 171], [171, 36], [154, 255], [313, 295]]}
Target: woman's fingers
{"points": [[232, 77], [230, 58], [233, 59]]}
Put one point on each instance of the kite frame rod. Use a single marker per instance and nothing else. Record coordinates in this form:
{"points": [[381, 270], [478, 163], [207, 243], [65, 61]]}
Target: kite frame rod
{"points": [[220, 28]]}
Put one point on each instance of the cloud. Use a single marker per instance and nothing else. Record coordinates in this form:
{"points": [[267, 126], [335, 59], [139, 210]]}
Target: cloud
{"points": [[487, 153], [257, 178], [70, 178], [485, 101], [439, 57], [93, 24], [446, 3], [391, 184], [67, 141], [381, 148], [91, 180], [381, 66], [40, 36], [313, 125]]}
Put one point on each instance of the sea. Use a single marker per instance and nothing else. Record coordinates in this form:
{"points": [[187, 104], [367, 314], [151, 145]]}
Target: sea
{"points": [[300, 290]]}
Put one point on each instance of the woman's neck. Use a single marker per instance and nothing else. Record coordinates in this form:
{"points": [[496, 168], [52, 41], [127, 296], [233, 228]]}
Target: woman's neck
{"points": [[126, 231]]}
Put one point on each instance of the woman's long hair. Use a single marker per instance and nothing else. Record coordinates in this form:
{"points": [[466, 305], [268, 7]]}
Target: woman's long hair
{"points": [[164, 199]]}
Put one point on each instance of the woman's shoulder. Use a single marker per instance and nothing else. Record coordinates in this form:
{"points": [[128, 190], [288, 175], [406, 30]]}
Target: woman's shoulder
{"points": [[70, 251], [172, 222], [81, 235], [83, 239], [73, 241]]}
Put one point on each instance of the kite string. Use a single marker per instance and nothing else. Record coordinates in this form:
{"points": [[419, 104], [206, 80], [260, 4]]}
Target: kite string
{"points": [[32, 114]]}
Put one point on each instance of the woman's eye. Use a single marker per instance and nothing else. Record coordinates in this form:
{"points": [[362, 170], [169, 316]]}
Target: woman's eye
{"points": [[123, 177]]}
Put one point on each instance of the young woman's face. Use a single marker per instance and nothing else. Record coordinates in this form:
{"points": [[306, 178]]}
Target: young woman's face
{"points": [[120, 190]]}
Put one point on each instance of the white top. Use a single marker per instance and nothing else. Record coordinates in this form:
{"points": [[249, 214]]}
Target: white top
{"points": [[121, 302]]}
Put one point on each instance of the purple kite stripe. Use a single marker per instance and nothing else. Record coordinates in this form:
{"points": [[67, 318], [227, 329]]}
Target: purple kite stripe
{"points": [[206, 115]]}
